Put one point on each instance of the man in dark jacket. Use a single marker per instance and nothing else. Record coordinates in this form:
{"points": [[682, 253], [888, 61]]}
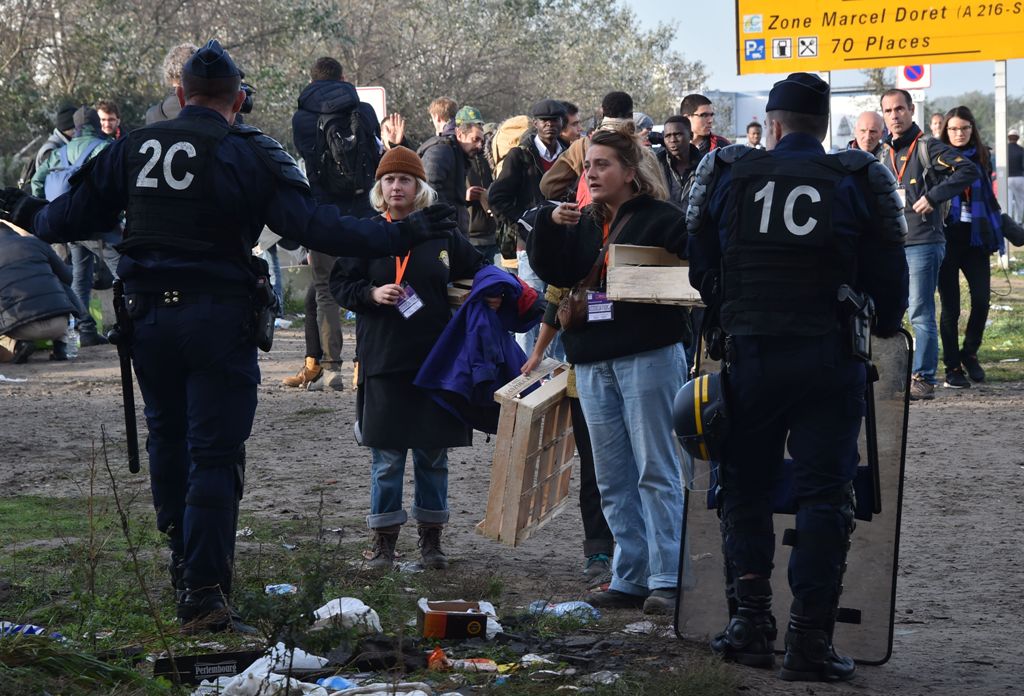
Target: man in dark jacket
{"points": [[327, 87], [35, 296], [517, 189], [446, 159], [923, 190], [679, 159]]}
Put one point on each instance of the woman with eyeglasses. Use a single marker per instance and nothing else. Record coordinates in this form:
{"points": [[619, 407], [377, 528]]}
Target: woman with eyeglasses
{"points": [[973, 232]]}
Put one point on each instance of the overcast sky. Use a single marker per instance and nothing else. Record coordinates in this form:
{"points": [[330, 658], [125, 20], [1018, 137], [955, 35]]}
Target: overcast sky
{"points": [[706, 29]]}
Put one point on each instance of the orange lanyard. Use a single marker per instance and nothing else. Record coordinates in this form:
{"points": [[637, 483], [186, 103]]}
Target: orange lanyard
{"points": [[604, 240], [400, 264], [903, 169]]}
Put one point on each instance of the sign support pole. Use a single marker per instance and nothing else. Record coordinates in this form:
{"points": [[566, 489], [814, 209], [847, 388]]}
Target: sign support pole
{"points": [[1000, 146]]}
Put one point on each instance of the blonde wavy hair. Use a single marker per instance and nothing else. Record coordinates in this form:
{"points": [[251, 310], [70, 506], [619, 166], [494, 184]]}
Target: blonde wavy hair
{"points": [[425, 196]]}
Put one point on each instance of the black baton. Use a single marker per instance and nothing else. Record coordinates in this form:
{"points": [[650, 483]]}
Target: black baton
{"points": [[871, 438], [121, 337]]}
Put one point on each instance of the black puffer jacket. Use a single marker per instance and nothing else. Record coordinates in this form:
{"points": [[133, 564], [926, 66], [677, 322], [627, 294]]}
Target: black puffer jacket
{"points": [[34, 283], [445, 165]]}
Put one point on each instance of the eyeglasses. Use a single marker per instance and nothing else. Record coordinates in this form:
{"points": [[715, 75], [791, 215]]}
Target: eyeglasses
{"points": [[963, 129], [707, 114]]}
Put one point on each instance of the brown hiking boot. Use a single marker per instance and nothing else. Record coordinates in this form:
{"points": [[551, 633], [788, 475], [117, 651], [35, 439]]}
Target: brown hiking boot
{"points": [[310, 372], [381, 556], [921, 389], [430, 546]]}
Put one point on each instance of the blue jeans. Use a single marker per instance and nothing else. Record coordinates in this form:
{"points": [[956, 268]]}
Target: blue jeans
{"points": [[276, 279], [628, 406], [387, 472], [83, 259], [528, 339], [924, 261]]}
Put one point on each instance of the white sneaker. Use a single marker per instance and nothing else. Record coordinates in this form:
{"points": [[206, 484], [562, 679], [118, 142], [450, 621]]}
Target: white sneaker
{"points": [[333, 379]]}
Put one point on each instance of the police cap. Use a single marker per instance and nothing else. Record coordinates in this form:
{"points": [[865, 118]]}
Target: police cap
{"points": [[801, 93], [548, 108], [211, 62]]}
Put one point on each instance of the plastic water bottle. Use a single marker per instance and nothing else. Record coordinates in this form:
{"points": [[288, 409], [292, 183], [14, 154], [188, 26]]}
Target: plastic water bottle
{"points": [[72, 339], [581, 610]]}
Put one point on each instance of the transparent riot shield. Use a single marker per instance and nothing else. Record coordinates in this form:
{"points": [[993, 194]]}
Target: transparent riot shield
{"points": [[864, 629]]}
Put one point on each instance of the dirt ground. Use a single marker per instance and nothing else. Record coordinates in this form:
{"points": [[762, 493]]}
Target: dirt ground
{"points": [[959, 612]]}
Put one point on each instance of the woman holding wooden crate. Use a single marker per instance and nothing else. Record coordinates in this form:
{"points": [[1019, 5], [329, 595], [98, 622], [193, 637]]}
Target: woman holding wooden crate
{"points": [[629, 365], [401, 306]]}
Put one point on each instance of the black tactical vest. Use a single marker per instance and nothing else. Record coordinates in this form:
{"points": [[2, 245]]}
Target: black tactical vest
{"points": [[783, 262], [171, 204]]}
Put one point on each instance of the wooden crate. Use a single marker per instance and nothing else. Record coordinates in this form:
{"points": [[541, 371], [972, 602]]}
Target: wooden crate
{"points": [[649, 275], [532, 456], [458, 291]]}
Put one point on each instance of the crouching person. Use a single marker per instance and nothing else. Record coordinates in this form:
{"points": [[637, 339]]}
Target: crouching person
{"points": [[35, 297]]}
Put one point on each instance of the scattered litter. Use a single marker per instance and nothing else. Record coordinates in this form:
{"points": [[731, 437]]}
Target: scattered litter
{"points": [[289, 547], [604, 677], [1001, 308], [1010, 360], [456, 619], [391, 689], [13, 379], [532, 659], [474, 664], [648, 628], [568, 687], [353, 613], [282, 324], [11, 629], [243, 532], [337, 682], [251, 684], [281, 589], [545, 674], [409, 567], [580, 610]]}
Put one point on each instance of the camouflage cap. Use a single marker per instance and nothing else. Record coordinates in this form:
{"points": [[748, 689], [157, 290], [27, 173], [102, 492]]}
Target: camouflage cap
{"points": [[468, 114]]}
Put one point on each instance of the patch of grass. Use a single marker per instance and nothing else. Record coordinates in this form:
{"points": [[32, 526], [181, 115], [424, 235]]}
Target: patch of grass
{"points": [[1004, 336]]}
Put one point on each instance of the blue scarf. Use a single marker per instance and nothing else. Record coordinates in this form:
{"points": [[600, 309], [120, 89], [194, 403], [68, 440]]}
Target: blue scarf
{"points": [[985, 210]]}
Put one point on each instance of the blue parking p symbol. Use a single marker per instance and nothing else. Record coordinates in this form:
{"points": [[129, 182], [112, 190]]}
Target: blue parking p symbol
{"points": [[754, 49]]}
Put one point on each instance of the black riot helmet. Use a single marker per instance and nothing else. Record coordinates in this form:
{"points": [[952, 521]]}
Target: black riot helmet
{"points": [[700, 416]]}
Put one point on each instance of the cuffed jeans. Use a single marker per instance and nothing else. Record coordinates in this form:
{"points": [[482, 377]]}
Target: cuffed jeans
{"points": [[924, 261], [430, 471], [628, 406]]}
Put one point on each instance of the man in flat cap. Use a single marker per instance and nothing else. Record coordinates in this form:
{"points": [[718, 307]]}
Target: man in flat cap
{"points": [[198, 191], [786, 228]]}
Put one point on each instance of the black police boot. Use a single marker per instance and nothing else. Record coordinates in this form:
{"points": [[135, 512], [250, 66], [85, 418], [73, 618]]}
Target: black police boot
{"points": [[749, 639], [810, 655], [208, 610]]}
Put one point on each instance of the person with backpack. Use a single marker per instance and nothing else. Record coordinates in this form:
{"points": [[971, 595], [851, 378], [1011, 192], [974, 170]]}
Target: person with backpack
{"points": [[928, 174], [51, 181], [339, 138], [63, 130], [973, 233]]}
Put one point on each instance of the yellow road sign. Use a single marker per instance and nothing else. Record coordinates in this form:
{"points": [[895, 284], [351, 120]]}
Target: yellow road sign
{"points": [[799, 35]]}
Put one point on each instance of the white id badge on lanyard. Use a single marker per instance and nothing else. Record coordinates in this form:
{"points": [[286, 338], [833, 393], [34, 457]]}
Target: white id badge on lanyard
{"points": [[902, 193], [965, 212], [599, 307], [410, 302]]}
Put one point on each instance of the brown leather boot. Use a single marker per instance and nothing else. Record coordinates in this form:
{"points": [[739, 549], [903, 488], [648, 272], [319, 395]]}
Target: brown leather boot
{"points": [[381, 555], [430, 546], [310, 372]]}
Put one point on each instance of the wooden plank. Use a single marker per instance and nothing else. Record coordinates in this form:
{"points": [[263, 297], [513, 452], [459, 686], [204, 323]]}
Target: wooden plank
{"points": [[528, 531], [513, 389], [546, 460], [548, 394], [524, 433], [650, 285], [635, 255], [491, 524]]}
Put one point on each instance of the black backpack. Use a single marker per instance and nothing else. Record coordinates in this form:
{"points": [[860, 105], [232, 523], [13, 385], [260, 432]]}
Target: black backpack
{"points": [[346, 150]]}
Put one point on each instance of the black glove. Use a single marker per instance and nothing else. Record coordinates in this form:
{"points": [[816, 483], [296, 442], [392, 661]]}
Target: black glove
{"points": [[19, 207], [433, 222]]}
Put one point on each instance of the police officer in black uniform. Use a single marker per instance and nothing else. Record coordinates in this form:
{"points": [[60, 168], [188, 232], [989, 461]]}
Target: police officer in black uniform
{"points": [[773, 237], [198, 191]]}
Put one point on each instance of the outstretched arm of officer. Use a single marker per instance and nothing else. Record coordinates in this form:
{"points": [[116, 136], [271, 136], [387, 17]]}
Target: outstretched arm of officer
{"points": [[18, 207]]}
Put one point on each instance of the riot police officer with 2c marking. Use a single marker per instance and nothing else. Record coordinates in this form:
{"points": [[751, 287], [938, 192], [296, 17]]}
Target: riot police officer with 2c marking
{"points": [[197, 191], [786, 229]]}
